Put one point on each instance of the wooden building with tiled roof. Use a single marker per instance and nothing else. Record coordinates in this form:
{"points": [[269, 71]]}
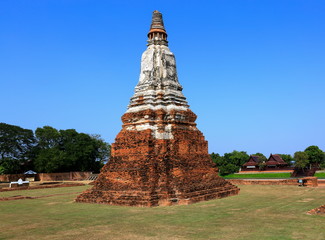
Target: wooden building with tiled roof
{"points": [[275, 161], [252, 162]]}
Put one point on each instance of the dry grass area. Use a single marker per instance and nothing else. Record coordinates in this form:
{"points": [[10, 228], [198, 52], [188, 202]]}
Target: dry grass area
{"points": [[258, 212]]}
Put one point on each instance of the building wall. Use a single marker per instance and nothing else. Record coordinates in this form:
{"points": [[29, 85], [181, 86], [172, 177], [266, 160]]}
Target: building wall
{"points": [[62, 176], [47, 176], [11, 177]]}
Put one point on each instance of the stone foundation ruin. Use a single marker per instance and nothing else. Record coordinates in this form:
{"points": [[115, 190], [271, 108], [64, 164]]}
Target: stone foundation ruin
{"points": [[317, 211]]}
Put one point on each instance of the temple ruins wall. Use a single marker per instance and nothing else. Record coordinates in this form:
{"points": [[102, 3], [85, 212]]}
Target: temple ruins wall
{"points": [[309, 182], [47, 176]]}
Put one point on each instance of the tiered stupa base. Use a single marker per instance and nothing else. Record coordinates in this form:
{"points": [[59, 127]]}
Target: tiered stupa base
{"points": [[145, 171]]}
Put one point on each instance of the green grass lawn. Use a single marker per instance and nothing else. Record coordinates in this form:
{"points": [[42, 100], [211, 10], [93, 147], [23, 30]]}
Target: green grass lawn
{"points": [[258, 175], [258, 212], [320, 175]]}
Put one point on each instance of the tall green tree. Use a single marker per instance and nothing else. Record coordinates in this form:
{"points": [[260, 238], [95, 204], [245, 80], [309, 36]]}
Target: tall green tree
{"points": [[228, 168], [322, 165], [237, 158], [48, 155], [103, 149], [16, 148], [230, 162], [216, 158], [68, 150], [315, 156], [287, 158], [301, 159]]}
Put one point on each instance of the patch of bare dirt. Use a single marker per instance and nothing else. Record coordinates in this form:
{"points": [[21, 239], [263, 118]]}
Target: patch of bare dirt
{"points": [[43, 186], [18, 197], [306, 200]]}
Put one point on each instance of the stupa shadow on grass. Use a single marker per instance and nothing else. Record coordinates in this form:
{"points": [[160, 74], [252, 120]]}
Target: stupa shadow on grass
{"points": [[159, 157]]}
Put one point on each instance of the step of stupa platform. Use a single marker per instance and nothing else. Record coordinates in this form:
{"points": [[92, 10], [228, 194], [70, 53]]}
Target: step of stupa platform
{"points": [[151, 199], [122, 198], [209, 194]]}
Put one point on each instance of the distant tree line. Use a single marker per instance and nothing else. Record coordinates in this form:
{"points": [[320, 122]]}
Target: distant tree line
{"points": [[50, 150], [232, 162]]}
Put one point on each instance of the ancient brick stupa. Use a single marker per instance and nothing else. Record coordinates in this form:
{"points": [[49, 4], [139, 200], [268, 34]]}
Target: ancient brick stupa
{"points": [[159, 157]]}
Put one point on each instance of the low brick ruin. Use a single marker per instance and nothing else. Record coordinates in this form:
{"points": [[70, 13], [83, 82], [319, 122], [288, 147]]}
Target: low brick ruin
{"points": [[317, 211], [159, 157], [42, 186], [64, 176], [307, 181]]}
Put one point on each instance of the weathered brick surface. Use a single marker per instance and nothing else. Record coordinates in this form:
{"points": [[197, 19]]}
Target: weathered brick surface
{"points": [[317, 211], [11, 177], [42, 186], [144, 171], [311, 181], [62, 176], [264, 182], [47, 176], [307, 181]]}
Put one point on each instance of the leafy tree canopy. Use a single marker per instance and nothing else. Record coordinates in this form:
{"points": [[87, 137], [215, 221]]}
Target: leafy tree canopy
{"points": [[315, 155], [287, 158], [301, 159], [16, 148], [229, 168], [216, 158], [230, 162], [322, 165], [237, 158], [68, 150]]}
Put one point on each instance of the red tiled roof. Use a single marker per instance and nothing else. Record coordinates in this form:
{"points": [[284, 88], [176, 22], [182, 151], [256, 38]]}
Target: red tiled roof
{"points": [[278, 158], [275, 159], [272, 163], [254, 158], [252, 161], [250, 164]]}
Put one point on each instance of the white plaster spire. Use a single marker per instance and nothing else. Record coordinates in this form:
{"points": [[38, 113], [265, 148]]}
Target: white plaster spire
{"points": [[158, 86]]}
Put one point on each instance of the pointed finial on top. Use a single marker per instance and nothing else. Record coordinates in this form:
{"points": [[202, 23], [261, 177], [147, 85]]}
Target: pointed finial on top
{"points": [[157, 33]]}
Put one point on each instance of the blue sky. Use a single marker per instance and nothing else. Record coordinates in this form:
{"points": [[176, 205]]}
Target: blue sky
{"points": [[253, 71]]}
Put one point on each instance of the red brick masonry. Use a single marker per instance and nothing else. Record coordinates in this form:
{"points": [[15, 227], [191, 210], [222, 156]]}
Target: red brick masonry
{"points": [[308, 181], [47, 176], [146, 171], [42, 186], [317, 211]]}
